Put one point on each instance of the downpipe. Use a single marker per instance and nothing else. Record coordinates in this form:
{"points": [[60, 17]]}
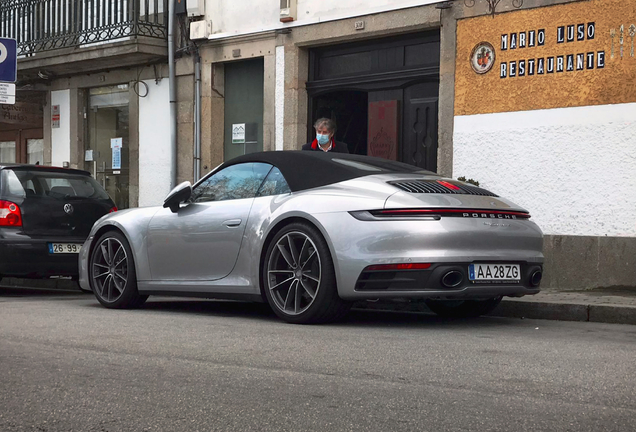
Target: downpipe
{"points": [[172, 90], [197, 116]]}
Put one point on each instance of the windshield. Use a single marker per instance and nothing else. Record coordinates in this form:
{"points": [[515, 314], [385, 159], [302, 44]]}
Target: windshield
{"points": [[52, 184]]}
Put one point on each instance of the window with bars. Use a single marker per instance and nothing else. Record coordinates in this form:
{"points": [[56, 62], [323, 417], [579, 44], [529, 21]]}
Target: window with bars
{"points": [[42, 25]]}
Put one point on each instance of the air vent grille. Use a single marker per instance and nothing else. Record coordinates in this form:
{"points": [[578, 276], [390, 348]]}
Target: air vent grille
{"points": [[440, 187]]}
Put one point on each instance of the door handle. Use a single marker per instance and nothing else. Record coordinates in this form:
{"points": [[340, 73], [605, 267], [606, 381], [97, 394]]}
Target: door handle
{"points": [[232, 223]]}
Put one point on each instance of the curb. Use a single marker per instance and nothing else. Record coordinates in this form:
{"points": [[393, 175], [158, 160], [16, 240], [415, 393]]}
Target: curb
{"points": [[62, 284], [513, 308]]}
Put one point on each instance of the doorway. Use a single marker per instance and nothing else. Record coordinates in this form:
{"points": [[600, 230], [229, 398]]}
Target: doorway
{"points": [[243, 107], [107, 149], [383, 95]]}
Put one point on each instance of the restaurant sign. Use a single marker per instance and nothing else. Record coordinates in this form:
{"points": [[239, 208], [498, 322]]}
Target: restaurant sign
{"points": [[550, 64], [572, 54]]}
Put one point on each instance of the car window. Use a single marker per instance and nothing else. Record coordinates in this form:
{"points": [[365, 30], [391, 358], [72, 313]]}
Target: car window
{"points": [[12, 184], [59, 185], [234, 182], [274, 184]]}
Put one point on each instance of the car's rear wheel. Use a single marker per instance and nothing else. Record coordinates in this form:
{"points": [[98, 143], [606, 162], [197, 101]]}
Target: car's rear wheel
{"points": [[112, 273], [463, 308], [299, 278]]}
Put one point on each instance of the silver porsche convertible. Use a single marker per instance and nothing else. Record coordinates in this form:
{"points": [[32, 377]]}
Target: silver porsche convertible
{"points": [[310, 233]]}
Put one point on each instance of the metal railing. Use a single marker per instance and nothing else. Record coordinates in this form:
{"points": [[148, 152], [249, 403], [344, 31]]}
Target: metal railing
{"points": [[43, 25]]}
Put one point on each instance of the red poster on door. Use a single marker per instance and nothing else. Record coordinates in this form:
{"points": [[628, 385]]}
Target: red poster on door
{"points": [[383, 129]]}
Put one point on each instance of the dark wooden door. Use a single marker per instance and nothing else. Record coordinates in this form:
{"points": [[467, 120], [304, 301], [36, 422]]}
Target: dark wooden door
{"points": [[419, 143]]}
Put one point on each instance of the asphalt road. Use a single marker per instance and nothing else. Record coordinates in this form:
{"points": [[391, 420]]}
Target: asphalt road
{"points": [[66, 364]]}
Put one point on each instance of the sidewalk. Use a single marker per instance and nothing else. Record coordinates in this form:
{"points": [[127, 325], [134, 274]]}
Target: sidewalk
{"points": [[606, 305]]}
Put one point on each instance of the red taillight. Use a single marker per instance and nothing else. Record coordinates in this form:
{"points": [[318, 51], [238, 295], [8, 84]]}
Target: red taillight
{"points": [[469, 213], [113, 210], [448, 185], [403, 266], [10, 214]]}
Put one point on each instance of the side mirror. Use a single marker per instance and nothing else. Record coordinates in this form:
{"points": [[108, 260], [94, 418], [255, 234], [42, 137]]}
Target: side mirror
{"points": [[178, 195]]}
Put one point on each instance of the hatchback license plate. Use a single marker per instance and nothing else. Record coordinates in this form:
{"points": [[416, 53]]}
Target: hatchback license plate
{"points": [[64, 248], [494, 272]]}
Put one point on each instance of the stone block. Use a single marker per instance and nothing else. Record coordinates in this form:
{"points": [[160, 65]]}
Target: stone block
{"points": [[574, 262], [613, 314], [541, 310], [185, 112], [185, 151], [185, 88], [617, 261], [548, 249]]}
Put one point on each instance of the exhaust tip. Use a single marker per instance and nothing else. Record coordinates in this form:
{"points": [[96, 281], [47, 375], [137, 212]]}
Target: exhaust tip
{"points": [[535, 279], [452, 279]]}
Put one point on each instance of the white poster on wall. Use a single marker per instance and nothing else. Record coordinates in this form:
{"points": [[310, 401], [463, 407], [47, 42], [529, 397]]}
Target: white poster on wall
{"points": [[115, 145], [238, 133]]}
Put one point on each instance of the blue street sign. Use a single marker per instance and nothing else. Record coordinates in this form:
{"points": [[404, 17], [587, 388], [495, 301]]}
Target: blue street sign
{"points": [[8, 60]]}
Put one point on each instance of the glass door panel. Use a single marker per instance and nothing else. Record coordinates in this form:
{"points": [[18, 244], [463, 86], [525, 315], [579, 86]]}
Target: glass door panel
{"points": [[7, 151], [35, 151], [107, 156]]}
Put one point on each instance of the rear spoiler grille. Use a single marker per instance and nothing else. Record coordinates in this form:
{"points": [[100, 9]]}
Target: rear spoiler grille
{"points": [[439, 187]]}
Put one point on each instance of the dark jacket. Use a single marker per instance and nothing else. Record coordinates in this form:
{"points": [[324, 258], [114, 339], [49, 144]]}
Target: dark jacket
{"points": [[336, 147]]}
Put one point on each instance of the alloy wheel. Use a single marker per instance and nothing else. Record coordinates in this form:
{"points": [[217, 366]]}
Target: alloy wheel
{"points": [[110, 269], [293, 273]]}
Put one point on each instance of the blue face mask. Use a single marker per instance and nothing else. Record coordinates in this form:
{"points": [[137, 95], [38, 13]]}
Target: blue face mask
{"points": [[322, 139]]}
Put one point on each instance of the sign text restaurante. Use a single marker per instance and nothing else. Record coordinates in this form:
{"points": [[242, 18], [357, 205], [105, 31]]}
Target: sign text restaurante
{"points": [[550, 64]]}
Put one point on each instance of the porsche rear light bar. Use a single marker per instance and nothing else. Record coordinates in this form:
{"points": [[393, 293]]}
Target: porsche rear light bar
{"points": [[10, 215], [469, 213], [437, 214]]}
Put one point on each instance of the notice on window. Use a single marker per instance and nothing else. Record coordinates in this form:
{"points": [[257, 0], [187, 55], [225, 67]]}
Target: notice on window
{"points": [[55, 116], [115, 145], [383, 129], [238, 133]]}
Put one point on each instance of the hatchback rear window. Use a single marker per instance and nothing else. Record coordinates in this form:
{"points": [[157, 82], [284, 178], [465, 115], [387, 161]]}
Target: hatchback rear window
{"points": [[53, 184]]}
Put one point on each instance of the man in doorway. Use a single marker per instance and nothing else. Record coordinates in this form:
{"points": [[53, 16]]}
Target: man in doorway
{"points": [[325, 140]]}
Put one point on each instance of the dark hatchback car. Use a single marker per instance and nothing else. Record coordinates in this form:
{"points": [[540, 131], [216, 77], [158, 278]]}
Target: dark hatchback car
{"points": [[46, 214]]}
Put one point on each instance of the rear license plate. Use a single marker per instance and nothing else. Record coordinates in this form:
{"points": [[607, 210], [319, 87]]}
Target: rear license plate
{"points": [[494, 272], [64, 248]]}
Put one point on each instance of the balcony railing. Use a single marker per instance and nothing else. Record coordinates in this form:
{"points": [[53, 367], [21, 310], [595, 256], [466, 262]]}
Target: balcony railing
{"points": [[43, 25]]}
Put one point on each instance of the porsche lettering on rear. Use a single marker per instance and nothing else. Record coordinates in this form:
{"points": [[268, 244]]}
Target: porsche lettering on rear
{"points": [[489, 215]]}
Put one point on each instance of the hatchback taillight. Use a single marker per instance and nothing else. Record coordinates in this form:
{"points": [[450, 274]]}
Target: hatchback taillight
{"points": [[113, 210], [10, 214]]}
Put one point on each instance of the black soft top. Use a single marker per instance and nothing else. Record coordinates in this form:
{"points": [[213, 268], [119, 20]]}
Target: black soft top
{"points": [[43, 168], [310, 169]]}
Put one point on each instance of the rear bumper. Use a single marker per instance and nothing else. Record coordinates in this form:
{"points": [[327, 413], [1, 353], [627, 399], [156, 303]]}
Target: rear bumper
{"points": [[30, 258], [428, 283]]}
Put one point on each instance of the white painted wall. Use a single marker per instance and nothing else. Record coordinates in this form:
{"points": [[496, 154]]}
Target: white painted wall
{"points": [[232, 17], [61, 137], [574, 169], [154, 144]]}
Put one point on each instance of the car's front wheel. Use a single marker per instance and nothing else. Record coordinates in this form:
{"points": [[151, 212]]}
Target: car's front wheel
{"points": [[299, 279], [112, 273], [463, 308]]}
